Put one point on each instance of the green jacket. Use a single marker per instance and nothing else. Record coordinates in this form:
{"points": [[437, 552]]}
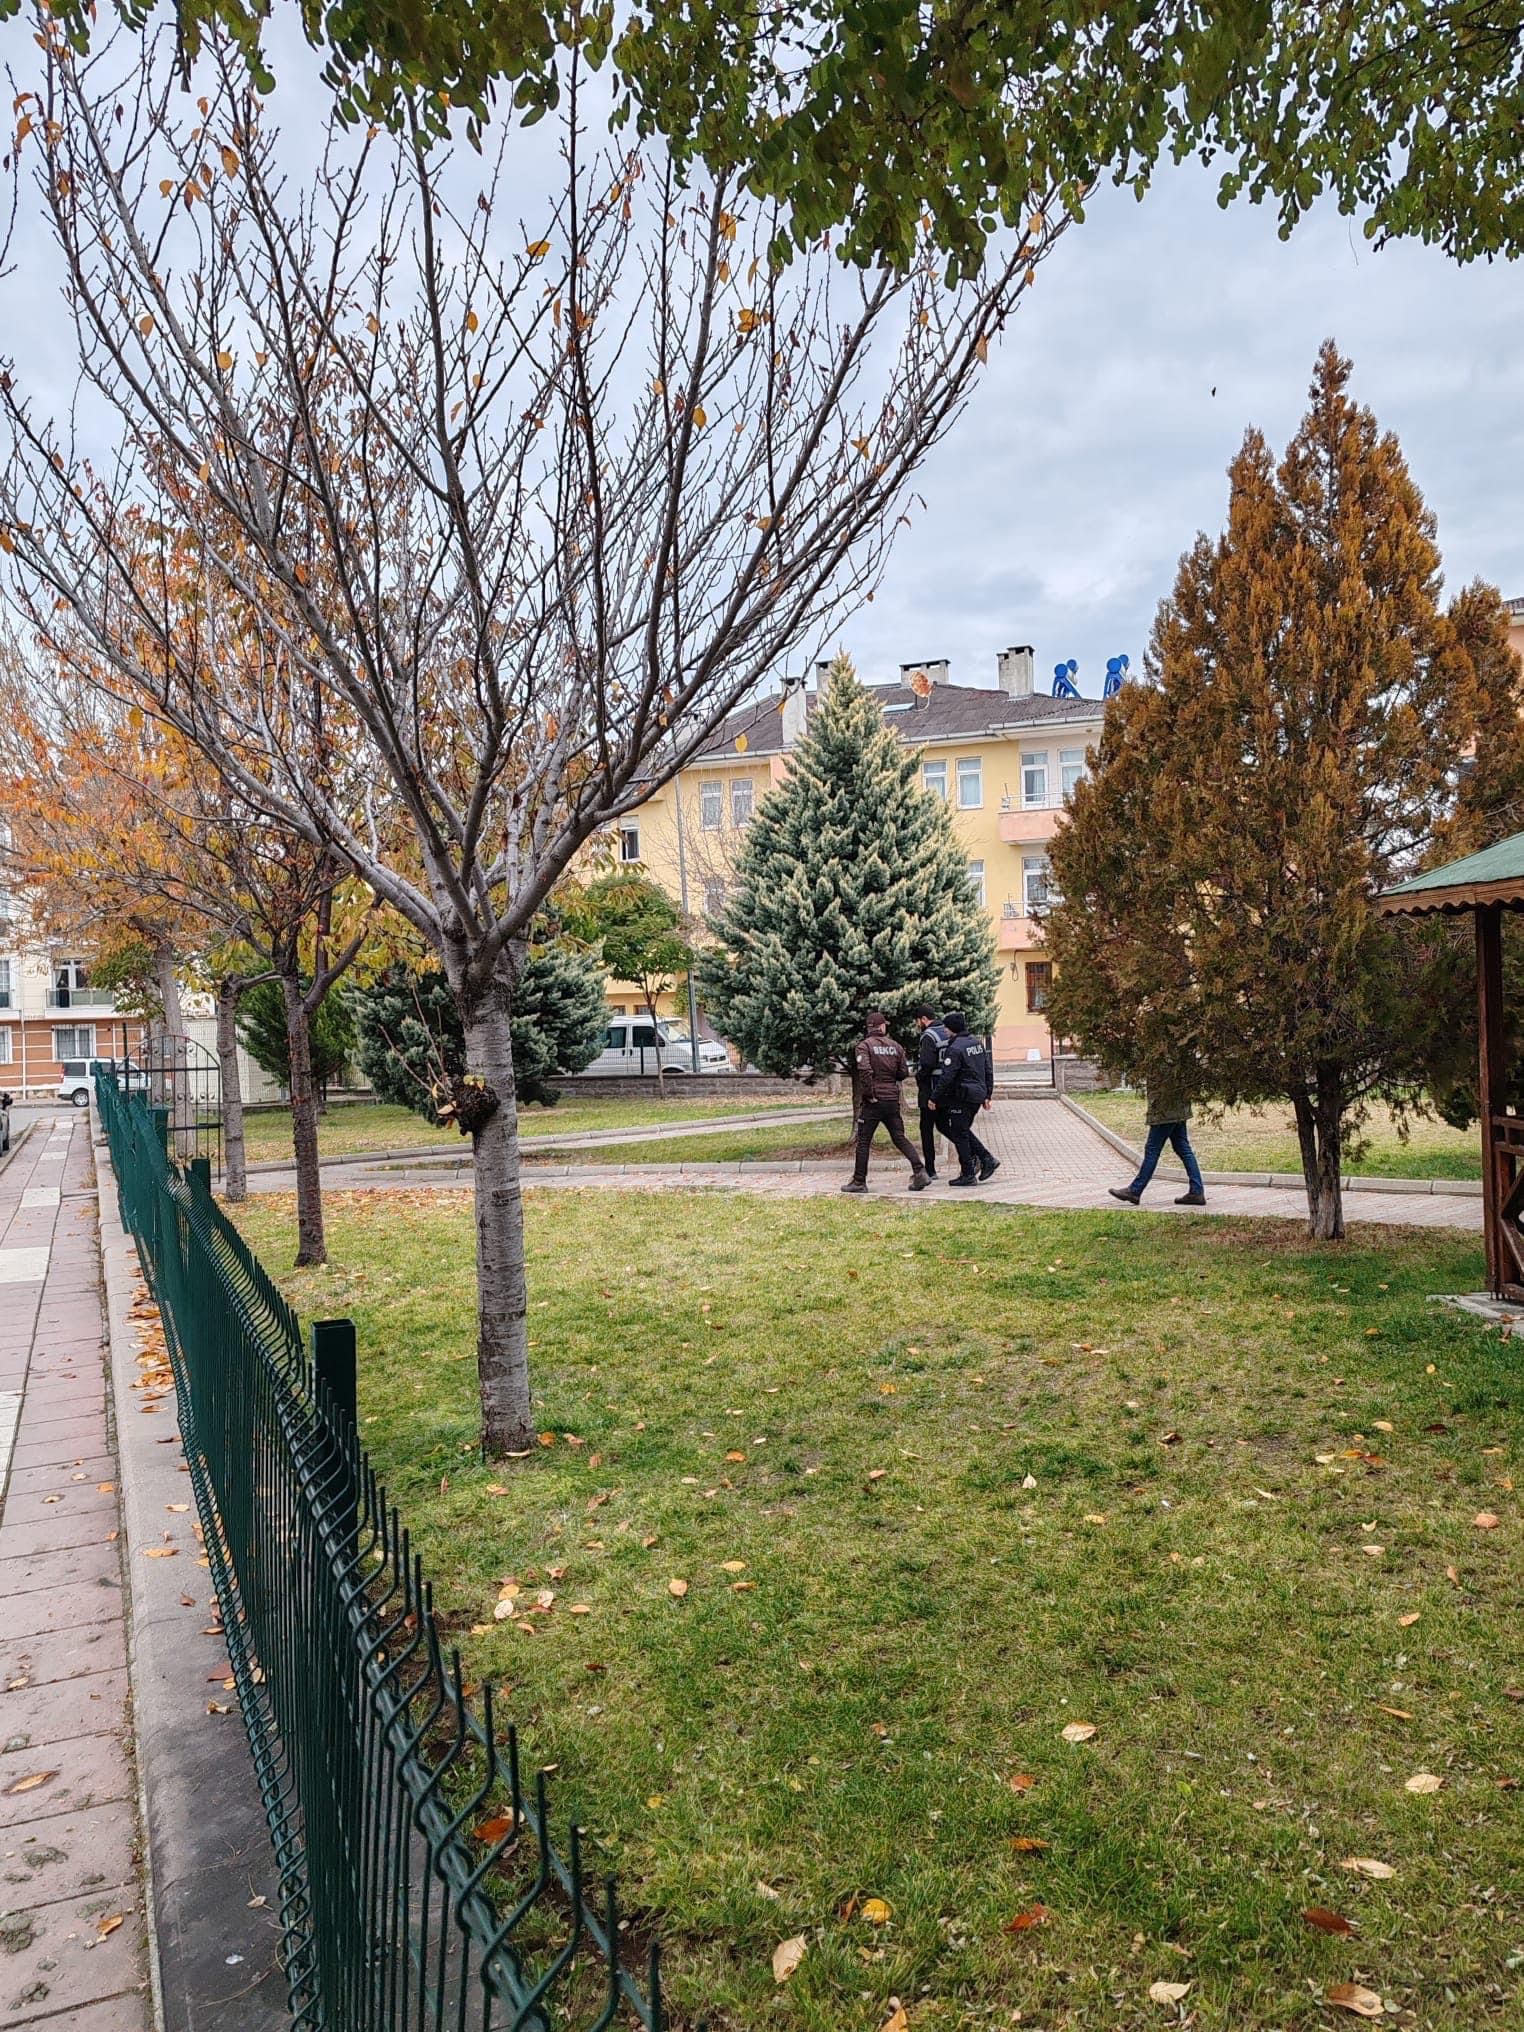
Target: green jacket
{"points": [[1168, 1101]]}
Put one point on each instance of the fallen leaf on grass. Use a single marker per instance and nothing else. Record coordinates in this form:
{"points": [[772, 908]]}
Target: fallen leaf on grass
{"points": [[877, 1911], [1023, 1781], [29, 1784], [1077, 1732], [580, 1609], [1027, 1844], [1169, 1439], [1023, 1922], [1400, 1713], [1452, 1576], [1367, 1866], [733, 1455], [877, 1474], [787, 1956], [1407, 1622], [1484, 1520], [1167, 1993], [1375, 1551], [897, 2020], [492, 1831], [497, 1488], [766, 1890], [1423, 1781], [677, 1588], [1354, 1997], [1383, 1425], [732, 1566], [1326, 1921]]}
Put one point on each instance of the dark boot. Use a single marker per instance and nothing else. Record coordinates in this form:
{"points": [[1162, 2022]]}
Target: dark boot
{"points": [[1191, 1199], [919, 1180], [988, 1168], [965, 1178], [855, 1185], [1125, 1192]]}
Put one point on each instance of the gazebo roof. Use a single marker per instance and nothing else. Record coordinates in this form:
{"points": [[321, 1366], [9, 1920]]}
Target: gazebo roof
{"points": [[1495, 875]]}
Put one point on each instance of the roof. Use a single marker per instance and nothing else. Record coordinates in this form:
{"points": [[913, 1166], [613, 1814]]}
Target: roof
{"points": [[1495, 875], [951, 712]]}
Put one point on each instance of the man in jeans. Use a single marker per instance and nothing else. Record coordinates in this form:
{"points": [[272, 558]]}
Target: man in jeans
{"points": [[1169, 1110], [882, 1068], [964, 1084]]}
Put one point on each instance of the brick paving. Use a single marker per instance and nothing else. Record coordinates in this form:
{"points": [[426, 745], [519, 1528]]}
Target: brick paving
{"points": [[72, 1947], [1049, 1157]]}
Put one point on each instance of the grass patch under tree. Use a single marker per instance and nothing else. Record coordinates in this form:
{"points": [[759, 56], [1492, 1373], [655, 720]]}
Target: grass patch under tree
{"points": [[1264, 1139], [942, 1481], [350, 1128]]}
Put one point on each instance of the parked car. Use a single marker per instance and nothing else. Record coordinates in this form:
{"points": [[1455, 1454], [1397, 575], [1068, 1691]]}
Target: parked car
{"points": [[630, 1046], [78, 1082]]}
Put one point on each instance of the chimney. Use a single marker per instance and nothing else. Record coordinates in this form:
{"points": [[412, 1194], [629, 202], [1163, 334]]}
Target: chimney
{"points": [[933, 668], [1014, 670], [793, 710]]}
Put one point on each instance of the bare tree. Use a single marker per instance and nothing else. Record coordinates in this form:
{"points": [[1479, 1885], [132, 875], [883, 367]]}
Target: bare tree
{"points": [[512, 516]]}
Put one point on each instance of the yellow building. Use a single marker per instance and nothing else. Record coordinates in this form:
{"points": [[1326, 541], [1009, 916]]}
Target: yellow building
{"points": [[1003, 757]]}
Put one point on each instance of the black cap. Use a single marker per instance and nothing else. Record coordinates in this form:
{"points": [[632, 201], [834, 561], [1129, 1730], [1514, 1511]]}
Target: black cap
{"points": [[925, 1009], [956, 1022], [877, 1020]]}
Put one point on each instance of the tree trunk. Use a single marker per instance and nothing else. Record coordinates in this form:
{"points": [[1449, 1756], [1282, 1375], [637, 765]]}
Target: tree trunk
{"points": [[310, 1245], [235, 1185], [1320, 1134], [502, 1328]]}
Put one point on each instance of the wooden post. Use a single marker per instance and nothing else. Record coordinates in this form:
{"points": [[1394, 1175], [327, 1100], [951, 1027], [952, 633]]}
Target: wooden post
{"points": [[1491, 1085]]}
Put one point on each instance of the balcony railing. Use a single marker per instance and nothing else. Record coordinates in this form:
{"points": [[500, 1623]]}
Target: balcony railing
{"points": [[80, 998]]}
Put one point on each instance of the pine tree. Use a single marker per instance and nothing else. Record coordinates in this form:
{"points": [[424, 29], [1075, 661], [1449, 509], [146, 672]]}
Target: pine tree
{"points": [[412, 1048], [851, 893], [262, 1031], [1295, 749]]}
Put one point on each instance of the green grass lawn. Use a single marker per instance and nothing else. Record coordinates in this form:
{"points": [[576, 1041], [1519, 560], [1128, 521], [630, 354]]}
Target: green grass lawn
{"points": [[351, 1127], [941, 1486], [1264, 1139], [782, 1140]]}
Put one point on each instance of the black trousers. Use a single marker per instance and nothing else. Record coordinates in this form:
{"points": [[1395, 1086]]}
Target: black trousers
{"points": [[887, 1112], [928, 1135], [958, 1124]]}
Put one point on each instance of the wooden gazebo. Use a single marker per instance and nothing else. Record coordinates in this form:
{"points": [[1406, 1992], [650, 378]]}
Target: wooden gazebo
{"points": [[1486, 884]]}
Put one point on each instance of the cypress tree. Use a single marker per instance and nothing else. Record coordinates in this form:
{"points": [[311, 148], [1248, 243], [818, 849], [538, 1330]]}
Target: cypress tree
{"points": [[851, 893], [1295, 749]]}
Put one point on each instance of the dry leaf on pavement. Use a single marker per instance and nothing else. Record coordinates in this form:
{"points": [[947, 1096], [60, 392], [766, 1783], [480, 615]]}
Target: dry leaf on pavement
{"points": [[1354, 1997], [29, 1784], [787, 1956]]}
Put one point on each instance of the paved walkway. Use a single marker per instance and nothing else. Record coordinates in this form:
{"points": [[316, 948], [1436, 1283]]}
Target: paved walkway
{"points": [[1049, 1158], [72, 1951]]}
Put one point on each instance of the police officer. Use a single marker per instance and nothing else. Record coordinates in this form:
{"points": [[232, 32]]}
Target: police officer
{"points": [[928, 1057], [964, 1083], [882, 1068]]}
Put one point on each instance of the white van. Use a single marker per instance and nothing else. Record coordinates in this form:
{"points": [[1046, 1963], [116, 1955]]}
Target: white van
{"points": [[78, 1082], [630, 1046]]}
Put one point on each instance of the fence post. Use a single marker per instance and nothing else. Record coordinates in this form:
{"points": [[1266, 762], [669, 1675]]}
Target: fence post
{"points": [[336, 1371], [200, 1169], [161, 1127]]}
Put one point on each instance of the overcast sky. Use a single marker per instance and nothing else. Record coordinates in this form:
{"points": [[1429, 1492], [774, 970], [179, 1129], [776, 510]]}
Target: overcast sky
{"points": [[1097, 445]]}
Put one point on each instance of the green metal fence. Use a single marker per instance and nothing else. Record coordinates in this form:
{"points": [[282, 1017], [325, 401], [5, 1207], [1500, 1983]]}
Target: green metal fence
{"points": [[420, 1884]]}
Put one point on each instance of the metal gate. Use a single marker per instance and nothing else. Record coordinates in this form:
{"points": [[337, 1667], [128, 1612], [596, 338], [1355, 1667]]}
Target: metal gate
{"points": [[184, 1078]]}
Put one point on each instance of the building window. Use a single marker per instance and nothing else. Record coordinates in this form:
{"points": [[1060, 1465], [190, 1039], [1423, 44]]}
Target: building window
{"points": [[714, 895], [1034, 882], [976, 876], [711, 807], [629, 843], [1039, 980], [742, 790], [934, 779], [1034, 780], [5, 985], [970, 783], [69, 980], [1071, 764], [78, 1042], [5, 1047]]}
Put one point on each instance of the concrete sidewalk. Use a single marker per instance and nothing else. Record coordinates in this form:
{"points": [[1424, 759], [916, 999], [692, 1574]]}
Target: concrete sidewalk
{"points": [[73, 1947], [1049, 1157]]}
